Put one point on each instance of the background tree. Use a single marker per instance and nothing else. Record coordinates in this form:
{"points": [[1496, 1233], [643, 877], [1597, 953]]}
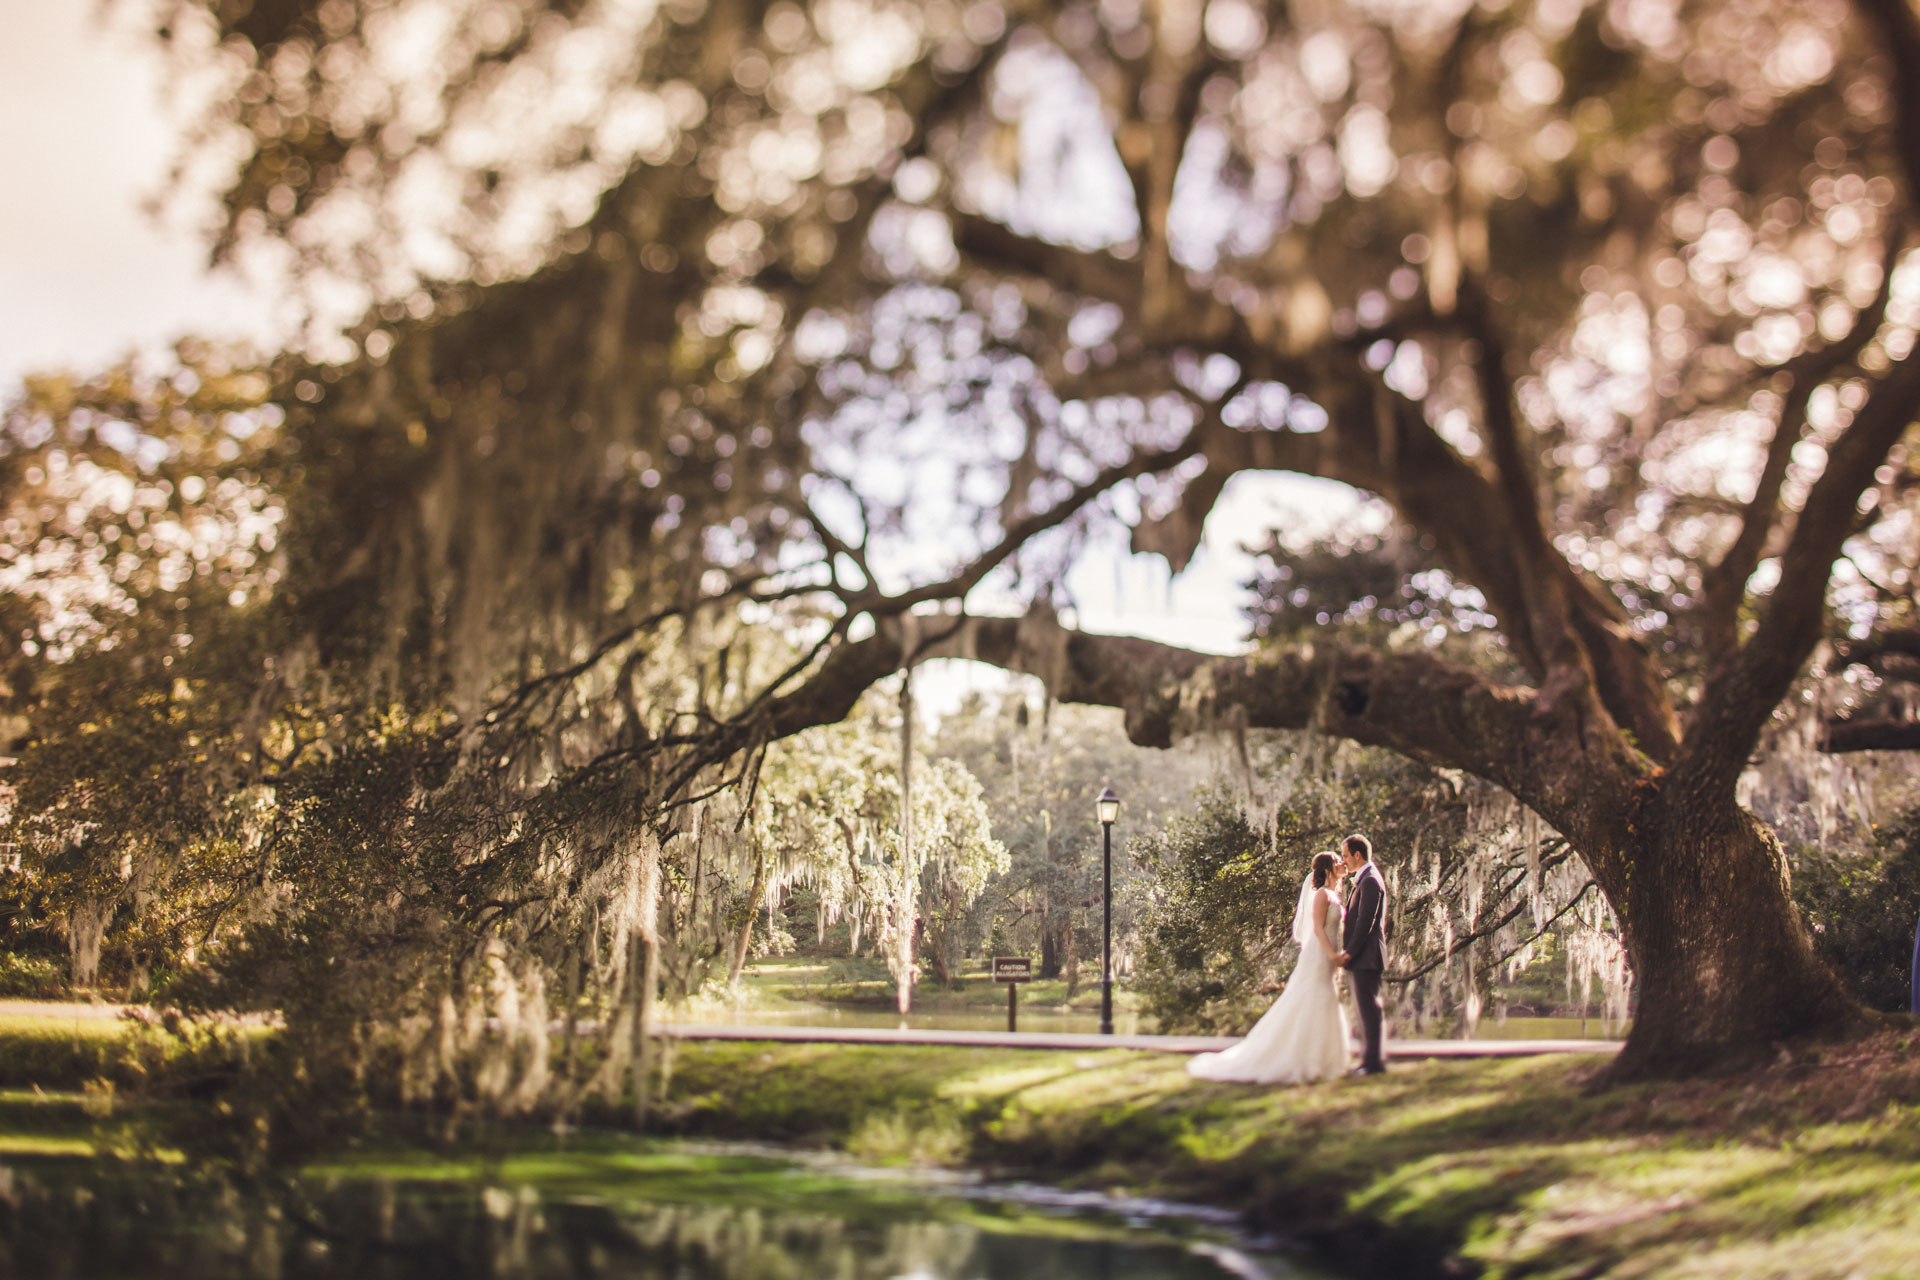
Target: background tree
{"points": [[141, 525], [1479, 890], [1041, 770], [835, 792]]}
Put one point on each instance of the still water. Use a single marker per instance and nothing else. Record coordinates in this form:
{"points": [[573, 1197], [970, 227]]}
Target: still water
{"points": [[657, 1211]]}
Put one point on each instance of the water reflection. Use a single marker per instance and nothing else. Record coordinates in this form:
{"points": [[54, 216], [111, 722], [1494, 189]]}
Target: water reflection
{"points": [[75, 1221]]}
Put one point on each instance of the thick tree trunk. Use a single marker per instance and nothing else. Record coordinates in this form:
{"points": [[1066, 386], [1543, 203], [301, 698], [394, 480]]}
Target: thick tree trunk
{"points": [[1725, 968], [935, 947]]}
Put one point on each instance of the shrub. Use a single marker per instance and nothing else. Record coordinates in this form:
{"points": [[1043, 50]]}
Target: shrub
{"points": [[1862, 909], [30, 977]]}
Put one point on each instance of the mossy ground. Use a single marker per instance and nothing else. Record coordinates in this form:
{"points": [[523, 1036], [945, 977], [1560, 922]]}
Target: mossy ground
{"points": [[1507, 1167]]}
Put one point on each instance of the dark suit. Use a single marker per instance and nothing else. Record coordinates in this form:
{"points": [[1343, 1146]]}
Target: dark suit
{"points": [[1365, 941]]}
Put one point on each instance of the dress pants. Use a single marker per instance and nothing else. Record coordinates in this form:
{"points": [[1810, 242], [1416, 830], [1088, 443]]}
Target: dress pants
{"points": [[1366, 994]]}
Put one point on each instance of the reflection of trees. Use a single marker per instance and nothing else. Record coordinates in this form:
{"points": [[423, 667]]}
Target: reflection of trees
{"points": [[185, 1226]]}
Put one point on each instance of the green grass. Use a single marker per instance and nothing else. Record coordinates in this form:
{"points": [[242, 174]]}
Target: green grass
{"points": [[66, 1053], [864, 983], [1517, 1167]]}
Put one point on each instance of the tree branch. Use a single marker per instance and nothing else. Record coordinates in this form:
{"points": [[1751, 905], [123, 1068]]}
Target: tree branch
{"points": [[1838, 737], [1379, 442], [1466, 940], [1726, 580], [1899, 642], [1740, 694], [1412, 703], [1899, 31]]}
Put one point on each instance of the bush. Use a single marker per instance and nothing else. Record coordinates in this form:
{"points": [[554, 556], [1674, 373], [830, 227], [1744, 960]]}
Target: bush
{"points": [[1862, 910], [1217, 931], [28, 977]]}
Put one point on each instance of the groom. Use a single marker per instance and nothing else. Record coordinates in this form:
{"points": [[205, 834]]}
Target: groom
{"points": [[1364, 945]]}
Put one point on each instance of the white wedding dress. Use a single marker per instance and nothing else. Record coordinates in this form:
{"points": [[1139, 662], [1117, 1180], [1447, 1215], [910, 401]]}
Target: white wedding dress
{"points": [[1304, 1035]]}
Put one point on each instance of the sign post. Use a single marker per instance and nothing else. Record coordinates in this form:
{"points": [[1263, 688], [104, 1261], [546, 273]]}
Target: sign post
{"points": [[1012, 970]]}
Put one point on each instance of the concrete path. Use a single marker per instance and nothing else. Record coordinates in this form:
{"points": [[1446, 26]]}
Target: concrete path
{"points": [[1396, 1049], [77, 1010]]}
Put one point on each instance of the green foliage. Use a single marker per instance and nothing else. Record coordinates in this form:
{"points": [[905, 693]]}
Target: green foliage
{"points": [[1863, 907], [1040, 770], [1218, 932], [117, 1055], [135, 589], [30, 977], [830, 811], [1474, 887]]}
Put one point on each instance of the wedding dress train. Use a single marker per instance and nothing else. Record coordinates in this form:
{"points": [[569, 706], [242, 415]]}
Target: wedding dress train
{"points": [[1302, 1037]]}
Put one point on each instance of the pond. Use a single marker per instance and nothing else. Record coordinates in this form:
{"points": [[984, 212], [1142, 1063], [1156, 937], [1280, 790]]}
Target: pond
{"points": [[605, 1208]]}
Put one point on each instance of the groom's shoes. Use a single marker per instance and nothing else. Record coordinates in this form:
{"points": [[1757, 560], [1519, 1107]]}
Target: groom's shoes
{"points": [[1368, 1071]]}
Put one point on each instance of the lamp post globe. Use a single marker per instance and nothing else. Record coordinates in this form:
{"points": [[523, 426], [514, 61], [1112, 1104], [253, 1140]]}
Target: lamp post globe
{"points": [[1107, 805]]}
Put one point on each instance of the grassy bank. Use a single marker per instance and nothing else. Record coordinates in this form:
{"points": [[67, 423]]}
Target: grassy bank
{"points": [[1808, 1168], [1508, 1168]]}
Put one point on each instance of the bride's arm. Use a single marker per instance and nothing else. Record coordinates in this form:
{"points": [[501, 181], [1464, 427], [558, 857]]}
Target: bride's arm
{"points": [[1320, 923]]}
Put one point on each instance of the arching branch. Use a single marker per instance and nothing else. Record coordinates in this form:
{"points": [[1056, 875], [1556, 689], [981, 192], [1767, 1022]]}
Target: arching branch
{"points": [[1725, 581], [1740, 694]]}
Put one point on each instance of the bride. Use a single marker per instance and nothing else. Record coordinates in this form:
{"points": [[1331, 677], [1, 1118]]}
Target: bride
{"points": [[1304, 1035]]}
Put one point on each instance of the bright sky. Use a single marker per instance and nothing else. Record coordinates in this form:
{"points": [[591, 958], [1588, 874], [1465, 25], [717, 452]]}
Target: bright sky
{"points": [[86, 275], [85, 139]]}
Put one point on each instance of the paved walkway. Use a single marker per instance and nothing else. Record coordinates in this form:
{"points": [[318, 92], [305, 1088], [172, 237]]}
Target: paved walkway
{"points": [[79, 1010], [1396, 1048]]}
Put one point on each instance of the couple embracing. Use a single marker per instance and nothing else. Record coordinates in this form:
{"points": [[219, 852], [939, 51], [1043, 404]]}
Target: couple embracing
{"points": [[1304, 1035]]}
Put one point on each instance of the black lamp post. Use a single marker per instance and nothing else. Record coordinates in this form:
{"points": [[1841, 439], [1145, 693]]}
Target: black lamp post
{"points": [[1108, 807]]}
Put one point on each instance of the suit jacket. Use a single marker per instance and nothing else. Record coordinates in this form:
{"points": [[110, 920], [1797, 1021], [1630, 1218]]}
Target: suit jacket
{"points": [[1365, 937]]}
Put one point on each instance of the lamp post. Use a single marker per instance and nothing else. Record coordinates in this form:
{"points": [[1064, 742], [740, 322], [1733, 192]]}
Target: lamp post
{"points": [[1108, 807]]}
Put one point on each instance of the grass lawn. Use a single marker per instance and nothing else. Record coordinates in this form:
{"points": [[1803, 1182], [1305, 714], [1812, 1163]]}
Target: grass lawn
{"points": [[1516, 1167], [863, 982]]}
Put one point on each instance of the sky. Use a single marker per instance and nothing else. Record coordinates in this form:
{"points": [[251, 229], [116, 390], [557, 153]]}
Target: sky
{"points": [[87, 275], [85, 140]]}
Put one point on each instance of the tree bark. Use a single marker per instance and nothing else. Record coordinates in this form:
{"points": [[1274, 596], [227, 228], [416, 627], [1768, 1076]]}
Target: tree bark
{"points": [[1725, 967], [1049, 944]]}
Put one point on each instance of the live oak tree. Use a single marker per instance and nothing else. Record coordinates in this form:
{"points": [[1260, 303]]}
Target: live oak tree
{"points": [[861, 319]]}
